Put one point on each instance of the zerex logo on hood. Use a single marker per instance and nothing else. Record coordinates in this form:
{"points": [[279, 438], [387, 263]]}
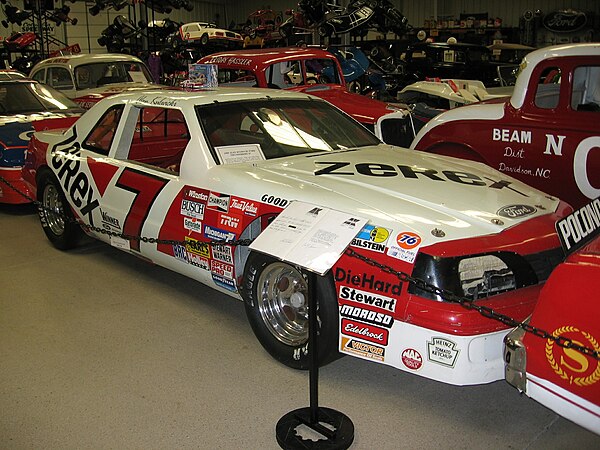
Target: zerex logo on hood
{"points": [[409, 172]]}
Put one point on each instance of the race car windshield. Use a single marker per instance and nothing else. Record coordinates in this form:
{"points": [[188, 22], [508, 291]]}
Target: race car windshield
{"points": [[24, 98], [89, 76], [279, 128]]}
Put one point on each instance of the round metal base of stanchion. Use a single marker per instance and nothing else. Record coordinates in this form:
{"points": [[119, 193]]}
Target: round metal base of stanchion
{"points": [[332, 430]]}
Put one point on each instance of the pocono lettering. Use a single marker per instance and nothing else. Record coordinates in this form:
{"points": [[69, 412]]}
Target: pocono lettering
{"points": [[581, 225]]}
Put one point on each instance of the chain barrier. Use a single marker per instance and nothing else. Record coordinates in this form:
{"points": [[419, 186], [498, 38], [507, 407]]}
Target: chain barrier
{"points": [[446, 295]]}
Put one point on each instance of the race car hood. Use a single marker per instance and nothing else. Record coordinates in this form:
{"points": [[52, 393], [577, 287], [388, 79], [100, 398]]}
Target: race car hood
{"points": [[88, 97], [364, 109], [421, 192]]}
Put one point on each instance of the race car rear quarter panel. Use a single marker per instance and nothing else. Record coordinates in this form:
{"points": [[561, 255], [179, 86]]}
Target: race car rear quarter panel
{"points": [[568, 307]]}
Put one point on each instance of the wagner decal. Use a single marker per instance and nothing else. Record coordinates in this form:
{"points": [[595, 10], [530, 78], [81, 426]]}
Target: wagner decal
{"points": [[365, 331], [579, 227], [197, 247], [363, 349], [366, 315], [442, 351], [366, 281], [412, 359], [406, 246], [372, 238], [570, 364], [222, 253], [516, 211], [109, 222], [217, 201]]}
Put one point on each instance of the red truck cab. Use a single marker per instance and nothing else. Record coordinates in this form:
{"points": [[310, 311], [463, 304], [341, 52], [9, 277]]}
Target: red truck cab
{"points": [[546, 134]]}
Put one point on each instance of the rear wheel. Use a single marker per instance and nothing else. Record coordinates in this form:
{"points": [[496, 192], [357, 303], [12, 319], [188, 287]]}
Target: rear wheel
{"points": [[55, 213], [204, 39], [276, 299]]}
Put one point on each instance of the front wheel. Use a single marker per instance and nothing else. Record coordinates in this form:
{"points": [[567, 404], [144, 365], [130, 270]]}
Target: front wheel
{"points": [[55, 213], [276, 299]]}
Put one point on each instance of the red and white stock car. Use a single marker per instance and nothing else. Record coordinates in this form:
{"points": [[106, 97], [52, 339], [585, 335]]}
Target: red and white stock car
{"points": [[563, 379], [546, 134], [193, 168]]}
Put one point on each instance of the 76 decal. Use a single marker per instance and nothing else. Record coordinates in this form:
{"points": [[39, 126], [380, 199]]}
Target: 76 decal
{"points": [[406, 246]]}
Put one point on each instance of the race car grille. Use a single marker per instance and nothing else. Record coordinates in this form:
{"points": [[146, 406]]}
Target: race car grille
{"points": [[484, 275]]}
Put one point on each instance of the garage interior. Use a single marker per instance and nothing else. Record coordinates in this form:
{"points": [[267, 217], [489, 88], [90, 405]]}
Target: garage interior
{"points": [[101, 350]]}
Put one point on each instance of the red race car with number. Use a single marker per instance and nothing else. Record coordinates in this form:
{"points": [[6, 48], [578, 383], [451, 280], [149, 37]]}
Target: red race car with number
{"points": [[193, 173], [26, 106], [546, 134], [565, 379]]}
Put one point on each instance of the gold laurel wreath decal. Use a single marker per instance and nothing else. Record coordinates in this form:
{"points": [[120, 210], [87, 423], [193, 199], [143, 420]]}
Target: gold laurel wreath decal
{"points": [[579, 381]]}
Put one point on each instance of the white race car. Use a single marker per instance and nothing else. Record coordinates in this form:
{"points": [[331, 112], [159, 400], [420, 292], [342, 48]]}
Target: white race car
{"points": [[207, 33], [179, 178]]}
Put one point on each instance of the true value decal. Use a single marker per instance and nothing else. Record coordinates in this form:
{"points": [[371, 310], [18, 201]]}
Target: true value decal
{"points": [[66, 161]]}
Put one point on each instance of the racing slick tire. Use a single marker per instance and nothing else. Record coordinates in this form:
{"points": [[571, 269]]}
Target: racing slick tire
{"points": [[276, 299], [55, 214]]}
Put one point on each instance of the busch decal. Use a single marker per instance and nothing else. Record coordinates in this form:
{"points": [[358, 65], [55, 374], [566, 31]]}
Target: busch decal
{"points": [[193, 209]]}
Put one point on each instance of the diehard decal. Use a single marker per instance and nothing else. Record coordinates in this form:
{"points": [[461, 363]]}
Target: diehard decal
{"points": [[363, 349], [412, 359], [367, 281], [442, 351], [570, 364]]}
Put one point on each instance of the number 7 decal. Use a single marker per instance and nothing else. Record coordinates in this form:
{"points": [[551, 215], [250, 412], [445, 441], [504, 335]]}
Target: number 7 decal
{"points": [[146, 188]]}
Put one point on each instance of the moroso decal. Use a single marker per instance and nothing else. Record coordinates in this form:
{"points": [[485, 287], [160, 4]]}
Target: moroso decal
{"points": [[367, 281], [410, 172], [365, 331], [442, 351], [366, 315], [372, 238], [362, 349], [412, 359], [569, 364]]}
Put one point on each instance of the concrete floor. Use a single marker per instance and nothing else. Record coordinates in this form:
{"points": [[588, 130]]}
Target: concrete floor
{"points": [[99, 350]]}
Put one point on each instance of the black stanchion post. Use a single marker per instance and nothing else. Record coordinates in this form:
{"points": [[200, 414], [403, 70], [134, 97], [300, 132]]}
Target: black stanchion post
{"points": [[335, 429]]}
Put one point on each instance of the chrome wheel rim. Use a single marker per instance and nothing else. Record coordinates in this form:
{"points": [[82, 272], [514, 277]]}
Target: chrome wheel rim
{"points": [[53, 210], [283, 303]]}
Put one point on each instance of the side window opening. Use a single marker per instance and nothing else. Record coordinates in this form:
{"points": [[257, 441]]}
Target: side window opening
{"points": [[547, 94], [60, 78], [160, 138], [586, 89], [100, 138]]}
